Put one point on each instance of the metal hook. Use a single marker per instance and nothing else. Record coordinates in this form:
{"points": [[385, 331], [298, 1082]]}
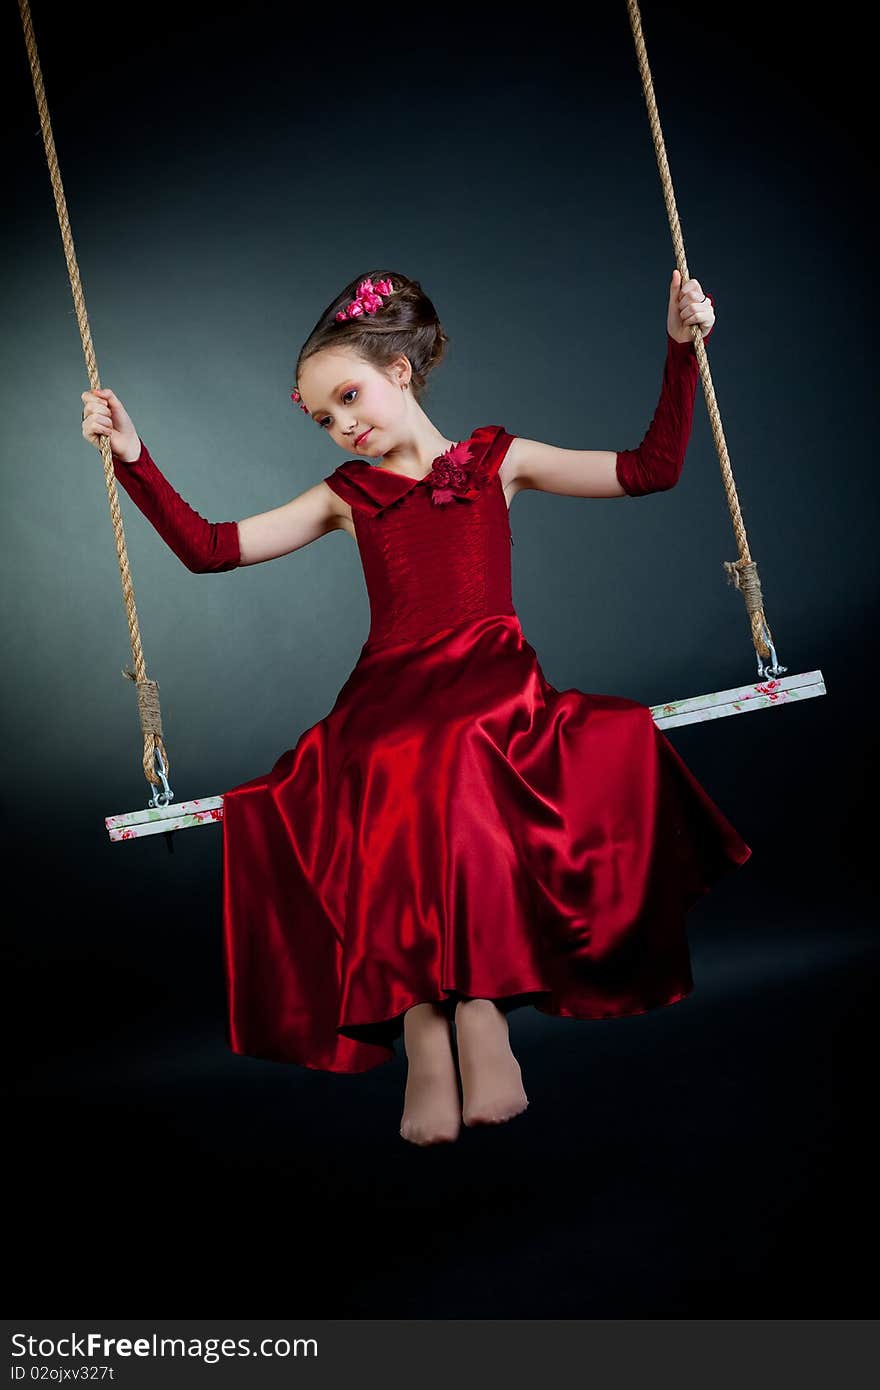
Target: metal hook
{"points": [[160, 798], [775, 669]]}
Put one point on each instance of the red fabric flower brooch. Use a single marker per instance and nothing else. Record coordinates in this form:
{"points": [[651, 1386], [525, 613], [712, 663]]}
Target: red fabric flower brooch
{"points": [[452, 477]]}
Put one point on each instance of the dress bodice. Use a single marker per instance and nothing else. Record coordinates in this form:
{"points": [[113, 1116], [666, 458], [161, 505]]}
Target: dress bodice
{"points": [[436, 550]]}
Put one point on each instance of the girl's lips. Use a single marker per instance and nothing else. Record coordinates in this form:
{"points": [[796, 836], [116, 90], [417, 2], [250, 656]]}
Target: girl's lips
{"points": [[361, 438]]}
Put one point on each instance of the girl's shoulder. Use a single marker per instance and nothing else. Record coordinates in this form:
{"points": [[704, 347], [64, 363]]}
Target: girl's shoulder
{"points": [[370, 489], [365, 488]]}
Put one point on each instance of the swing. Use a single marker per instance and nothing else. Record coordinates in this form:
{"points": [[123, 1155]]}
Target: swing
{"points": [[771, 690]]}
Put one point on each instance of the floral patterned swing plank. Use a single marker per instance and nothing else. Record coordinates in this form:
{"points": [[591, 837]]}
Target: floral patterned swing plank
{"points": [[158, 820], [743, 699]]}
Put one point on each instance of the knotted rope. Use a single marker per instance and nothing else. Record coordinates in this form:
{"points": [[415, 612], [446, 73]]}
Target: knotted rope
{"points": [[742, 573], [147, 690]]}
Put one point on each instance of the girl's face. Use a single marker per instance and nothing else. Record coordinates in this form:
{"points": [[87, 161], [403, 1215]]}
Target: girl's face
{"points": [[349, 398]]}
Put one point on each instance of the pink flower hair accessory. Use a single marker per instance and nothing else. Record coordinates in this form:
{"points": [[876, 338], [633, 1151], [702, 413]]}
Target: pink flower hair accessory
{"points": [[367, 300]]}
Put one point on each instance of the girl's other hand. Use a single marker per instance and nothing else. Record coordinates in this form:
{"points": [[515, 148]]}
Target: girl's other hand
{"points": [[686, 307], [104, 414]]}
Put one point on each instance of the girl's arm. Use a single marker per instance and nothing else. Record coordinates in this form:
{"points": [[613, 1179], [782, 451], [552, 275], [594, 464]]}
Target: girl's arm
{"points": [[655, 466], [203, 546], [212, 547]]}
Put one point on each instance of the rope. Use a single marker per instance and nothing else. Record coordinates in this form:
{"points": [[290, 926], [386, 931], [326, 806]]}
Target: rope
{"points": [[742, 573], [147, 690]]}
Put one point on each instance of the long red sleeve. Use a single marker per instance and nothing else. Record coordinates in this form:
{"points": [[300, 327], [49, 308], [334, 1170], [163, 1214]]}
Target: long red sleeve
{"points": [[655, 466], [203, 546]]}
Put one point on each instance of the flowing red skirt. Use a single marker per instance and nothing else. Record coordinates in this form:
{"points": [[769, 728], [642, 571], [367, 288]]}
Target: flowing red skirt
{"points": [[456, 826]]}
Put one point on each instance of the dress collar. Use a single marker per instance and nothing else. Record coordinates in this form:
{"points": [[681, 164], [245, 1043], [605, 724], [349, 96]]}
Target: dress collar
{"points": [[371, 489]]}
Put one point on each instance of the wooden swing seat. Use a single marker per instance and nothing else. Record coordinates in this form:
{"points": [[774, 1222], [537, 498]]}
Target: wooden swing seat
{"points": [[742, 699]]}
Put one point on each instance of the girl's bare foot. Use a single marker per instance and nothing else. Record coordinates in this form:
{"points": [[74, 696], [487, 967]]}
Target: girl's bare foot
{"points": [[491, 1078], [432, 1105]]}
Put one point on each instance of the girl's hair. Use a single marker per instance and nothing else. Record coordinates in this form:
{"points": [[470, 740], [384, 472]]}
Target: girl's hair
{"points": [[405, 323]]}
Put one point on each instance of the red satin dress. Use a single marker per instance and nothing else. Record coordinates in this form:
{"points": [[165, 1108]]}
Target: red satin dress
{"points": [[455, 825]]}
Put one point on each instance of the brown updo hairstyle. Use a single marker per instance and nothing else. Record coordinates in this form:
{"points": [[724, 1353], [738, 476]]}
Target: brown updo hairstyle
{"points": [[405, 323]]}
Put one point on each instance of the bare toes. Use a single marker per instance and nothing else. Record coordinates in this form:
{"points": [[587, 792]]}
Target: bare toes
{"points": [[492, 1115], [425, 1138]]}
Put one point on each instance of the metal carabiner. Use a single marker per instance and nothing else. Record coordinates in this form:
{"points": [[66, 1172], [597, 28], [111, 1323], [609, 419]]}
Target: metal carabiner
{"points": [[160, 798], [775, 670]]}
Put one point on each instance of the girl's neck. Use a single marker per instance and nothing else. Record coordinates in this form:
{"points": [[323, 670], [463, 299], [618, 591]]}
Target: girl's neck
{"points": [[417, 463]]}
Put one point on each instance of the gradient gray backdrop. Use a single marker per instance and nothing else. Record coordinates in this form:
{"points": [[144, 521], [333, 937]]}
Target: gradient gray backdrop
{"points": [[226, 172]]}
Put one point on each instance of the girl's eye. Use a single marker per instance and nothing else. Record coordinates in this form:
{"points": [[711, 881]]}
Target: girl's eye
{"points": [[352, 391]]}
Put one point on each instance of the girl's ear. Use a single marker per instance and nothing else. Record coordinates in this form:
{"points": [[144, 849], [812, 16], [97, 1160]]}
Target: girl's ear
{"points": [[402, 369]]}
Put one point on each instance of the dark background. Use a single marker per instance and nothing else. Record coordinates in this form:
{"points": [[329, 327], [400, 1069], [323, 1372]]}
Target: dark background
{"points": [[227, 168]]}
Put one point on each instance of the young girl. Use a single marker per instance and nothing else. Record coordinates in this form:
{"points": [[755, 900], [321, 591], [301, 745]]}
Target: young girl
{"points": [[456, 838]]}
